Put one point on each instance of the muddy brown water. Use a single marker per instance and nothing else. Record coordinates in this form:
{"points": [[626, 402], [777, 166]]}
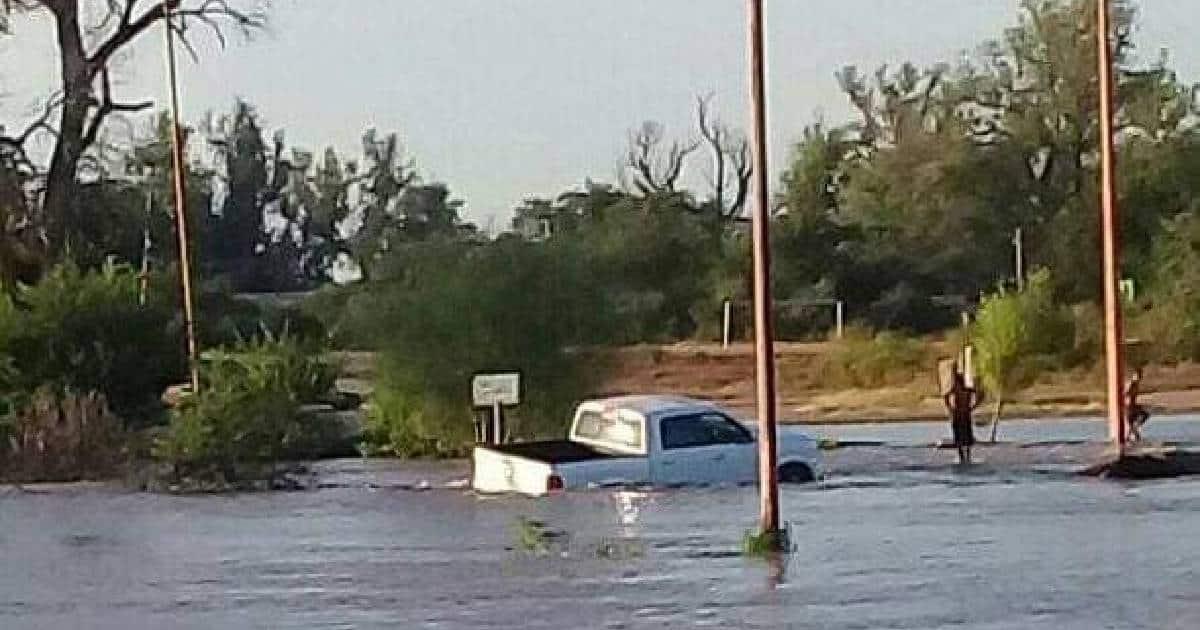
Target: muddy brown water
{"points": [[897, 537]]}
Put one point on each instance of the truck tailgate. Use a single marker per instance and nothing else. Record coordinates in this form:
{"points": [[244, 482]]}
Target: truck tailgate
{"points": [[508, 468], [495, 471]]}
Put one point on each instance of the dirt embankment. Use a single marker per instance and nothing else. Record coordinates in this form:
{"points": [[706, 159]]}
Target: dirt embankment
{"points": [[805, 395], [727, 376]]}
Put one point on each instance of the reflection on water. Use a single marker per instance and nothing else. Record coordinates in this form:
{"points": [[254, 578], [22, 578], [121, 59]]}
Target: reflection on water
{"points": [[932, 546]]}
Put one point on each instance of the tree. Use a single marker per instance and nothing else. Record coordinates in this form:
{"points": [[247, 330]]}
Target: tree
{"points": [[328, 211], [729, 151], [387, 174], [1169, 318], [569, 213], [22, 242], [1035, 93], [88, 45], [248, 185], [1017, 335], [653, 166]]}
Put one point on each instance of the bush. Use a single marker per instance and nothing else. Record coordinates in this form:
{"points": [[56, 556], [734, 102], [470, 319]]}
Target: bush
{"points": [[1018, 335], [866, 361], [1168, 321], [61, 436], [86, 332], [247, 417], [461, 309]]}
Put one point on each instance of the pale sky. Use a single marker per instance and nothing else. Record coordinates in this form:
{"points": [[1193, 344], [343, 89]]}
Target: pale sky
{"points": [[505, 99]]}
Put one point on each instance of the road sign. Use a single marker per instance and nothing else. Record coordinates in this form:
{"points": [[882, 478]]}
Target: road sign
{"points": [[488, 390]]}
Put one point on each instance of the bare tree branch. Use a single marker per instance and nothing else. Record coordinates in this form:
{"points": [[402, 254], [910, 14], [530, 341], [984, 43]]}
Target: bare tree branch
{"points": [[15, 146], [208, 12], [107, 106], [732, 169], [655, 169]]}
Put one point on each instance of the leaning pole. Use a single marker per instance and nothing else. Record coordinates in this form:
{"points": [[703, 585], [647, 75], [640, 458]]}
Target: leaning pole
{"points": [[764, 352], [1110, 235], [180, 181]]}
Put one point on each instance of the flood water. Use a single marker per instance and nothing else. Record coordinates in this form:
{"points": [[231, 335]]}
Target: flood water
{"points": [[390, 545]]}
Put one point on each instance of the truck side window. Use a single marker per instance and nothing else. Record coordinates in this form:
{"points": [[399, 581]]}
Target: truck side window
{"points": [[707, 429]]}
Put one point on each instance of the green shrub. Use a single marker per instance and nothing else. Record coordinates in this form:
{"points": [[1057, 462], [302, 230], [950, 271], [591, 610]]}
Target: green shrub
{"points": [[248, 415], [1018, 335], [1168, 320], [87, 332], [866, 361], [461, 309]]}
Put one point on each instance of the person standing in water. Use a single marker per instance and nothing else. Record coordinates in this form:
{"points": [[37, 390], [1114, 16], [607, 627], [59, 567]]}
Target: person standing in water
{"points": [[1136, 414], [961, 402]]}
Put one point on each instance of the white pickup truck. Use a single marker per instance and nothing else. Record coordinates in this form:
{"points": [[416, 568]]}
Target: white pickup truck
{"points": [[641, 440]]}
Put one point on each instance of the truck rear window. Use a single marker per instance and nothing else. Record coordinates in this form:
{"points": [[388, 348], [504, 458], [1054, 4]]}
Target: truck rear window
{"points": [[625, 433]]}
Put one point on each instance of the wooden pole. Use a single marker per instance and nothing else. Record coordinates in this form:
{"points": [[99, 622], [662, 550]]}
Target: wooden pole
{"points": [[764, 352], [181, 225], [1110, 235]]}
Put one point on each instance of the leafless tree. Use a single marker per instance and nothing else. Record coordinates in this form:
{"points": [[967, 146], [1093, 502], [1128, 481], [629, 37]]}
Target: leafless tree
{"points": [[89, 35], [651, 165], [731, 164]]}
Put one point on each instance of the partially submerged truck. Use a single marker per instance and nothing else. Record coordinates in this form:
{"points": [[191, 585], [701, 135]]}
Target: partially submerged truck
{"points": [[638, 441]]}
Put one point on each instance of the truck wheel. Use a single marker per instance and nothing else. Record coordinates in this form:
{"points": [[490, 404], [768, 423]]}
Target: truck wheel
{"points": [[795, 472]]}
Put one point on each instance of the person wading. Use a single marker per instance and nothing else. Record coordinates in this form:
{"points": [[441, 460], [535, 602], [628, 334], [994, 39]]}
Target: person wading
{"points": [[1136, 414], [961, 401]]}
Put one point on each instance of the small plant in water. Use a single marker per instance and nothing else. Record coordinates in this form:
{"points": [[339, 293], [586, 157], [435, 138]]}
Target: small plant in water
{"points": [[533, 536], [763, 544]]}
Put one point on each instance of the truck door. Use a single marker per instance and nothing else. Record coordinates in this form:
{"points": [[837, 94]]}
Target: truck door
{"points": [[703, 448]]}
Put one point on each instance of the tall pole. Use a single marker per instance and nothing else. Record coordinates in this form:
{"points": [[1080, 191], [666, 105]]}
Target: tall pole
{"points": [[1110, 234], [181, 228], [764, 352]]}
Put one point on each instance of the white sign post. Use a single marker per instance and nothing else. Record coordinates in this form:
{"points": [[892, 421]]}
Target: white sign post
{"points": [[496, 391]]}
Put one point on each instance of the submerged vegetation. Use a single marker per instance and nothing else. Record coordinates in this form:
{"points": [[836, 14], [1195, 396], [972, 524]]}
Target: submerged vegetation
{"points": [[762, 544]]}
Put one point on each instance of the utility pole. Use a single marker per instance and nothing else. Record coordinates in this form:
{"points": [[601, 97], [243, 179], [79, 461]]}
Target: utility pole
{"points": [[1019, 252], [181, 226], [764, 351], [1110, 226]]}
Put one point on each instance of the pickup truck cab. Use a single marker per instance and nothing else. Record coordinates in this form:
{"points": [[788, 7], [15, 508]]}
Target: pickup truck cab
{"points": [[641, 440]]}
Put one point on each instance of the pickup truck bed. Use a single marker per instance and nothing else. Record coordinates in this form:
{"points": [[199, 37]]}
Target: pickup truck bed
{"points": [[553, 452]]}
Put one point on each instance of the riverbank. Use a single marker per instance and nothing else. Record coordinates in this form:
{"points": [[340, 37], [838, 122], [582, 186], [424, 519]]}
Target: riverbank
{"points": [[808, 396]]}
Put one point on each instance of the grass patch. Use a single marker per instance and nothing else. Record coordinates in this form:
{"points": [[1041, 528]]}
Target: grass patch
{"points": [[864, 360], [764, 544]]}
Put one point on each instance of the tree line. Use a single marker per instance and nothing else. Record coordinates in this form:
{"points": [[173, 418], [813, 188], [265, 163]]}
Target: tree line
{"points": [[906, 213]]}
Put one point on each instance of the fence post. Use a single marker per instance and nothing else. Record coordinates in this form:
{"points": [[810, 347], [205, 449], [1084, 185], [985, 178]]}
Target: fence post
{"points": [[726, 310]]}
